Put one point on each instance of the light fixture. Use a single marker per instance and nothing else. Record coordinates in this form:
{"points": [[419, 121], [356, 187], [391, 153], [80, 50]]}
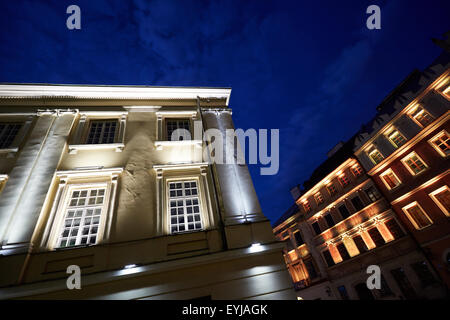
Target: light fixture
{"points": [[256, 247], [129, 266]]}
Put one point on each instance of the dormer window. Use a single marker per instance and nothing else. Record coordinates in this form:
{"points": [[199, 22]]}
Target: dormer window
{"points": [[396, 138], [421, 116], [375, 156]]}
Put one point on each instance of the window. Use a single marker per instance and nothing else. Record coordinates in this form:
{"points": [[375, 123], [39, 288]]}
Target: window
{"points": [[331, 189], [357, 170], [375, 156], [328, 258], [329, 220], [396, 138], [343, 251], [394, 229], [421, 116], [376, 236], [316, 227], [82, 218], [344, 211], [390, 180], [298, 238], [344, 180], [175, 124], [102, 131], [385, 290], [307, 206], [441, 197], [441, 142], [360, 244], [403, 283], [446, 90], [319, 198], [8, 132], [423, 273], [363, 292], [311, 269], [357, 203], [343, 293], [289, 245], [414, 164], [373, 194], [417, 216], [184, 205]]}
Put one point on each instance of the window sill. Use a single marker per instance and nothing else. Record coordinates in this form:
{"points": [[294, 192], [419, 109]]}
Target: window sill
{"points": [[161, 144], [73, 149]]}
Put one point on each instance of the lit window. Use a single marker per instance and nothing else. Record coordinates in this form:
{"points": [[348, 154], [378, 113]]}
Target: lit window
{"points": [[184, 206], [417, 216], [441, 197], [375, 156], [441, 142], [328, 258], [421, 116], [319, 198], [8, 132], [329, 220], [182, 134], [102, 131], [396, 138], [373, 194], [344, 180], [360, 244], [343, 251], [307, 206], [316, 227], [298, 238], [390, 179], [331, 189], [414, 164], [394, 229], [344, 211], [82, 218], [357, 170]]}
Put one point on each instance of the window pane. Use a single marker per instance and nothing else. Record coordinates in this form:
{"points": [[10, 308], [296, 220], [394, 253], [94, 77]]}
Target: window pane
{"points": [[360, 244], [182, 134], [316, 227], [444, 199], [311, 269], [418, 216], [298, 238], [329, 220], [8, 132], [394, 229], [102, 131], [376, 236], [184, 206], [373, 194], [344, 211], [343, 251], [357, 203], [443, 143], [328, 258]]}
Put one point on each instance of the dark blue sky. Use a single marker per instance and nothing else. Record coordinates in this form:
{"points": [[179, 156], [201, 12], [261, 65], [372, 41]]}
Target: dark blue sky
{"points": [[310, 68]]}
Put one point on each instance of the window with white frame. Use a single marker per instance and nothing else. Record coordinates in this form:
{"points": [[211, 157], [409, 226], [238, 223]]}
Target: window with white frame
{"points": [[441, 142], [417, 215], [181, 128], [396, 138], [8, 132], [414, 163], [102, 131], [375, 156], [441, 197], [390, 179], [82, 218], [421, 116], [184, 206]]}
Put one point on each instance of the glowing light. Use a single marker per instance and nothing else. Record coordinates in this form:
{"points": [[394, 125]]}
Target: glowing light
{"points": [[299, 298], [256, 247], [129, 266]]}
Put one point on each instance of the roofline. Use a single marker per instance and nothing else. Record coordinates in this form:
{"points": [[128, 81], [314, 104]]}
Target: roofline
{"points": [[26, 90]]}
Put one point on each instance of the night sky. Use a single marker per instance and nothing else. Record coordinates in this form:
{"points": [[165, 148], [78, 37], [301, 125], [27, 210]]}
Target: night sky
{"points": [[309, 68]]}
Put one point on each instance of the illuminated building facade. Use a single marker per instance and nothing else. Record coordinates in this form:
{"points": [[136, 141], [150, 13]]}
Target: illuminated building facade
{"points": [[91, 176], [382, 198], [410, 136]]}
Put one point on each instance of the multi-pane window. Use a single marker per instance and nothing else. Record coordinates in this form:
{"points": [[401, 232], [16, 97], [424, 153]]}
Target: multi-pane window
{"points": [[441, 197], [316, 227], [298, 238], [422, 117], [328, 258], [344, 180], [360, 244], [396, 138], [8, 132], [357, 203], [175, 124], [394, 229], [184, 206], [343, 251], [331, 189], [414, 164], [344, 211], [376, 156], [307, 206], [390, 179], [102, 131], [373, 194], [417, 216], [82, 218], [442, 143], [357, 170], [376, 236], [423, 273], [329, 220], [319, 198]]}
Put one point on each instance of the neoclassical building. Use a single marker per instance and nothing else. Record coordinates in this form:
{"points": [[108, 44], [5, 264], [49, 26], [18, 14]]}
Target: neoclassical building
{"points": [[91, 176]]}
